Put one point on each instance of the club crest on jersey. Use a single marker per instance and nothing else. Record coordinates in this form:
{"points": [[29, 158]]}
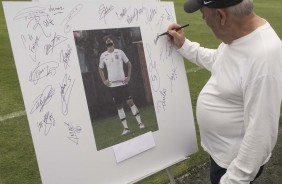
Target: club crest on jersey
{"points": [[116, 57]]}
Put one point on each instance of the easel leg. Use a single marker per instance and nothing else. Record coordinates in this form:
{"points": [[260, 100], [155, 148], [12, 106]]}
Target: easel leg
{"points": [[170, 175]]}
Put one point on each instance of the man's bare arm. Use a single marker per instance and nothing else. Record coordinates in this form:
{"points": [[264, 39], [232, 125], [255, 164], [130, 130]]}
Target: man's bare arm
{"points": [[129, 67], [105, 81]]}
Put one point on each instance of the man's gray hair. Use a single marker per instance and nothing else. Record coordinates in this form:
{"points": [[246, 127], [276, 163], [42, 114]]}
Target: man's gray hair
{"points": [[242, 9]]}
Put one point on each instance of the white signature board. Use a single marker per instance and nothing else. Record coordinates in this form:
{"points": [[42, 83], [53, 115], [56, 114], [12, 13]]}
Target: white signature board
{"points": [[41, 36]]}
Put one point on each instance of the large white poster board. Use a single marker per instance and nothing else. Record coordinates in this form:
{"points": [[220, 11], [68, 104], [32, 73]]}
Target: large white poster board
{"points": [[50, 76]]}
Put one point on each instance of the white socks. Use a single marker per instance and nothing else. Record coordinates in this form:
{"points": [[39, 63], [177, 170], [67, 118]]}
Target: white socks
{"points": [[135, 113], [121, 115]]}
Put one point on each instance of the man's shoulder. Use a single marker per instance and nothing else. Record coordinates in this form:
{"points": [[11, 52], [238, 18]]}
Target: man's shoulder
{"points": [[104, 54], [118, 51]]}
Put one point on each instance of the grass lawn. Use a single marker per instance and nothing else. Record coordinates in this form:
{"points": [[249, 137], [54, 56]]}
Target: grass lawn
{"points": [[18, 163], [107, 131]]}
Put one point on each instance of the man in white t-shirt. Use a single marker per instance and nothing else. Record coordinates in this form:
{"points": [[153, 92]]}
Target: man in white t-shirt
{"points": [[239, 107], [117, 82]]}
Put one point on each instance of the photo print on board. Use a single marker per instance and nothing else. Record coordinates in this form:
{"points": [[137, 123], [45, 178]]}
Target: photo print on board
{"points": [[120, 106]]}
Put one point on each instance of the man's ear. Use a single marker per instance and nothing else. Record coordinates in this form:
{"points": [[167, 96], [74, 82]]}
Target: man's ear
{"points": [[222, 16]]}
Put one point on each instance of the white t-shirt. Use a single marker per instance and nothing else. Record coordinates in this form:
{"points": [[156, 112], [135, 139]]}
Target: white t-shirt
{"points": [[238, 109], [114, 63]]}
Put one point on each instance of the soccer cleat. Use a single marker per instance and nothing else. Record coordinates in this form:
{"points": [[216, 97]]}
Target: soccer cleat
{"points": [[125, 131], [141, 125]]}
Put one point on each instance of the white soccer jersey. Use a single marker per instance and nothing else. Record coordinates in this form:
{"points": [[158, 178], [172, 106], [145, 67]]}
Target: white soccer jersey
{"points": [[114, 63]]}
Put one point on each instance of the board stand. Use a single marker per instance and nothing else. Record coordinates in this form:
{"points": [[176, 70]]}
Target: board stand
{"points": [[170, 175]]}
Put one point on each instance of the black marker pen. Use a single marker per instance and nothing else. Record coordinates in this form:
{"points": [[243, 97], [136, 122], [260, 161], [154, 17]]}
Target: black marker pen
{"points": [[175, 29]]}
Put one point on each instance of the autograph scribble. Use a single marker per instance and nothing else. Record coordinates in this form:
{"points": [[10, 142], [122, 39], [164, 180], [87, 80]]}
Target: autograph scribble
{"points": [[48, 21], [160, 21], [33, 48], [30, 13], [56, 10], [43, 99], [169, 49], [122, 14], [156, 39], [66, 89], [47, 123], [65, 56], [56, 40], [32, 44], [161, 104], [43, 70], [161, 53], [70, 16], [169, 14], [172, 77], [166, 51], [23, 40], [154, 75], [37, 18], [150, 14], [134, 15], [104, 11], [73, 131]]}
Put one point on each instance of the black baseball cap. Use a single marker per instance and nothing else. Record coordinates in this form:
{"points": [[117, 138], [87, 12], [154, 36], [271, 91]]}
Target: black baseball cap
{"points": [[193, 5]]}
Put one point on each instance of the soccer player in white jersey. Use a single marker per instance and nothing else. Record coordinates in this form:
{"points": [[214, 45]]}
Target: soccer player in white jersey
{"points": [[117, 82]]}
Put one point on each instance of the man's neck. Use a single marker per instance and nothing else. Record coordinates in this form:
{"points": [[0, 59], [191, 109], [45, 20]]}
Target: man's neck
{"points": [[246, 25], [110, 50]]}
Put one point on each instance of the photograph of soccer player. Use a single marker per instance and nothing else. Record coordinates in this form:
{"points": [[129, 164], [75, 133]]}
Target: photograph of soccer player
{"points": [[116, 84]]}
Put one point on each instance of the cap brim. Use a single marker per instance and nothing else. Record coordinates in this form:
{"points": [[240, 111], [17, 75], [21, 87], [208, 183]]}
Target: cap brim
{"points": [[192, 5]]}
